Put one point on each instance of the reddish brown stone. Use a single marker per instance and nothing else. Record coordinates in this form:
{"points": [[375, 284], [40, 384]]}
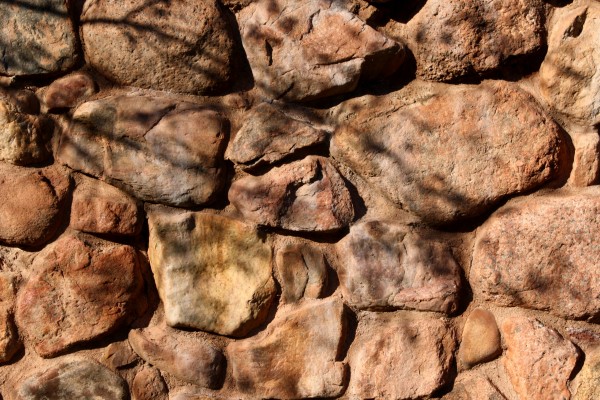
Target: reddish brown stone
{"points": [[10, 342], [68, 91], [302, 272], [148, 384]]}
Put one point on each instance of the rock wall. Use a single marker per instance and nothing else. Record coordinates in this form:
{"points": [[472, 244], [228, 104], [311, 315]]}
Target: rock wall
{"points": [[237, 199]]}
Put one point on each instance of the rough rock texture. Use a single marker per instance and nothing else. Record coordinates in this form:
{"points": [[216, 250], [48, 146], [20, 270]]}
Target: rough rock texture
{"points": [[383, 264], [212, 272], [297, 356], [271, 133], [541, 253], [301, 271], [31, 203], [118, 355], [81, 379], [570, 73], [480, 339], [39, 39], [399, 356], [476, 136], [586, 160], [68, 91], [100, 208], [181, 46], [307, 195], [586, 382], [155, 148], [538, 360], [454, 38], [306, 50], [148, 384], [80, 289], [190, 360], [9, 339], [475, 387]]}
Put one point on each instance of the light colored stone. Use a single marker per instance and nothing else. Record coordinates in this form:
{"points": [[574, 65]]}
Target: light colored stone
{"points": [[385, 265], [586, 385], [450, 153], [212, 272], [297, 356], [80, 289], [473, 387], [158, 149], [538, 360], [399, 356], [586, 161], [302, 51], [68, 91], [180, 46], [480, 339], [306, 195], [302, 272], [541, 253]]}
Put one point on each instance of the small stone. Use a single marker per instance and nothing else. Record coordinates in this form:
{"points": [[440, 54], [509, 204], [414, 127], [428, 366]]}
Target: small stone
{"points": [[302, 272], [118, 355], [473, 387], [9, 339], [480, 339], [212, 272], [148, 384], [98, 207], [81, 379], [585, 385], [91, 286], [301, 345], [23, 100], [68, 91], [586, 162], [399, 356], [387, 265], [307, 195], [190, 360], [538, 360]]}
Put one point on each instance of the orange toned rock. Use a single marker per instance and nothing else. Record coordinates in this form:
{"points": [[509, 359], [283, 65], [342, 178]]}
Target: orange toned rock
{"points": [[297, 356], [451, 152], [586, 160], [541, 253], [473, 387], [480, 339], [387, 265], [306, 195], [118, 355], [148, 384], [302, 272], [538, 360], [399, 356], [90, 286], [10, 342], [585, 385], [68, 91]]}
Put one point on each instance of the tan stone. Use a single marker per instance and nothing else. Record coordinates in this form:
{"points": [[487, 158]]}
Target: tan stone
{"points": [[473, 387], [10, 342], [307, 195], [148, 384], [541, 253], [538, 360], [399, 356], [585, 385], [586, 162], [450, 152], [480, 339], [297, 356], [302, 272], [212, 272], [68, 91], [118, 355]]}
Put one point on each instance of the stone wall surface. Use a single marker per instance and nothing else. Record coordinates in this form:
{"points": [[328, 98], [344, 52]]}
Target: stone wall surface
{"points": [[281, 199]]}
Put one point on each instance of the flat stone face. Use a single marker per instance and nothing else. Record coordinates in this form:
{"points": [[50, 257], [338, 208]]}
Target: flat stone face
{"points": [[455, 38], [68, 91], [306, 50], [570, 73], [157, 149], [538, 360], [301, 271], [473, 387], [306, 195], [31, 203], [480, 339], [386, 265], [297, 356], [212, 273], [180, 46], [190, 360], [451, 152], [80, 379], [541, 253], [586, 383], [91, 286], [399, 356], [39, 39], [272, 133]]}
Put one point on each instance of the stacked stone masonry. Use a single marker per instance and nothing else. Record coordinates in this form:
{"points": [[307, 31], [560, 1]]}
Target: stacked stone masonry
{"points": [[284, 199]]}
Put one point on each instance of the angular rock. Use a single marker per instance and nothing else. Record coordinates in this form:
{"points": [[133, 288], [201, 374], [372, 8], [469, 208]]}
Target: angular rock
{"points": [[212, 273], [306, 195], [118, 355], [586, 160], [9, 339], [157, 149], [31, 203], [148, 384], [190, 360], [480, 339], [585, 385], [570, 74], [80, 289], [399, 356], [180, 46], [37, 38], [302, 272], [476, 387], [297, 356], [68, 91], [80, 379], [313, 49], [385, 265], [541, 253], [101, 208], [456, 38], [452, 152], [538, 360]]}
